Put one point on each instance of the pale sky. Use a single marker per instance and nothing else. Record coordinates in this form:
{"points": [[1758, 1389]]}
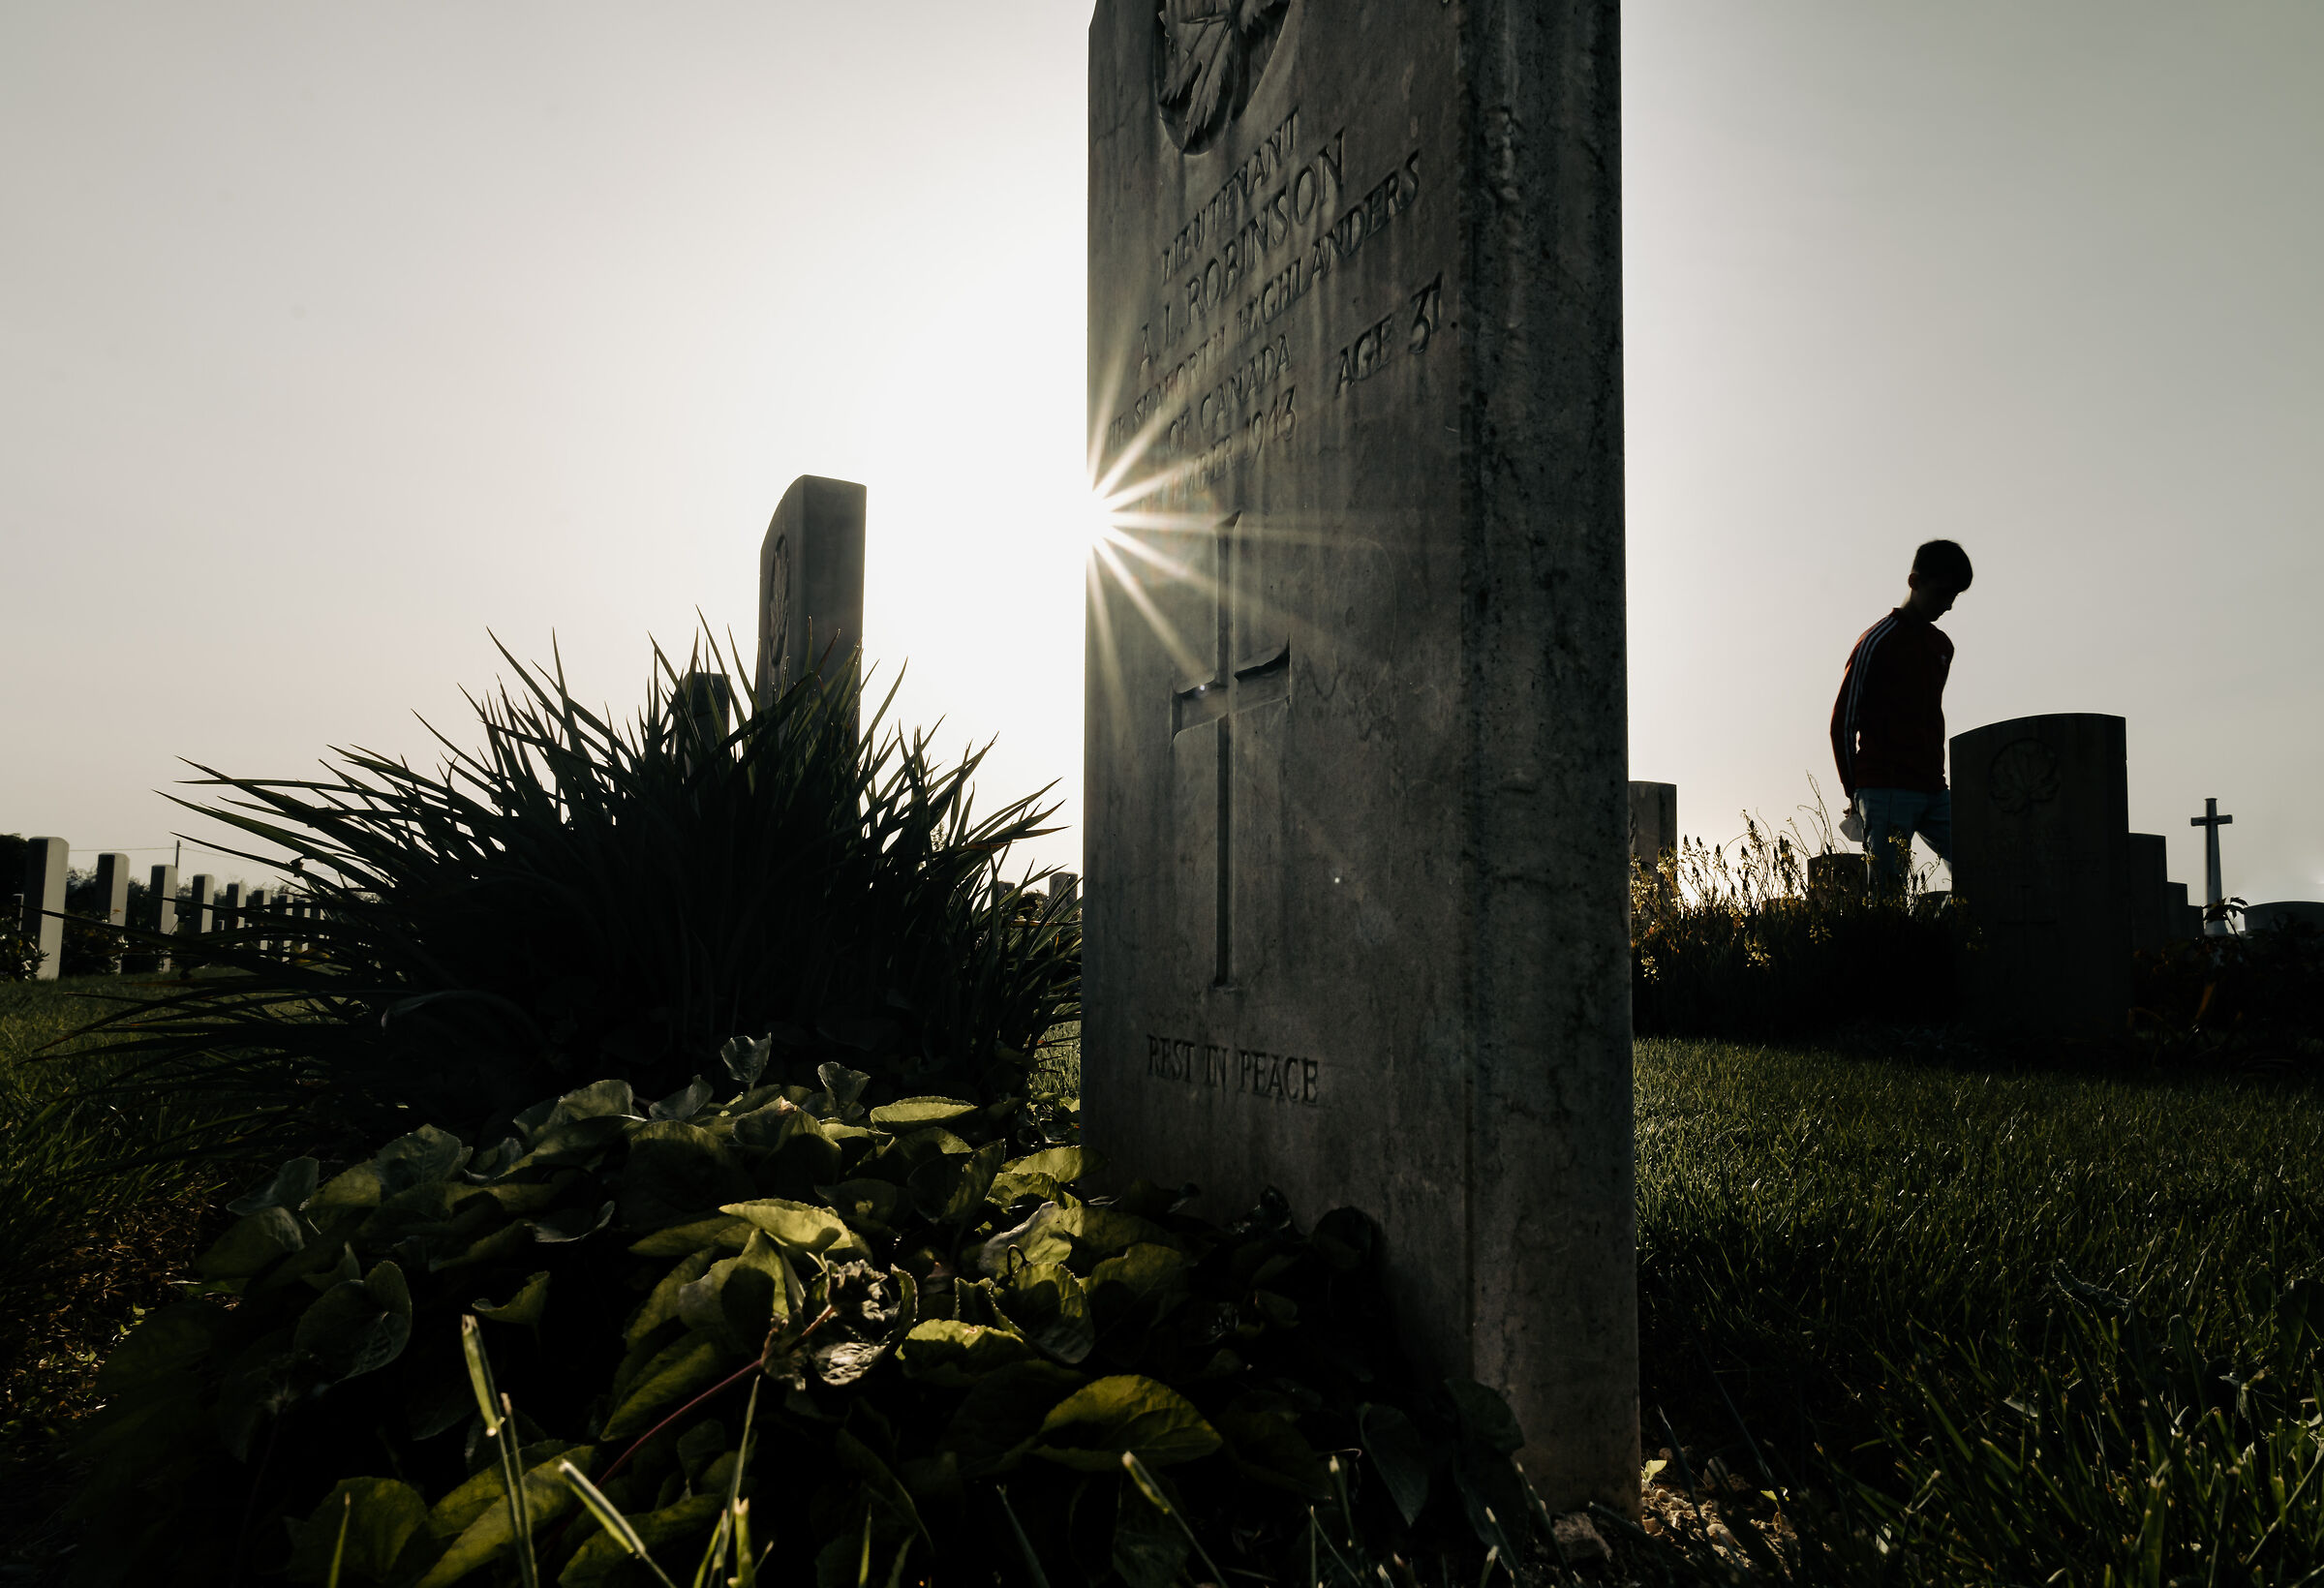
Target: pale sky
{"points": [[333, 336]]}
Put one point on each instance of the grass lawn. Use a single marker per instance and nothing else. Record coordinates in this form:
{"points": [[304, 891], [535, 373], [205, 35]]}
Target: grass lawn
{"points": [[1833, 1246]]}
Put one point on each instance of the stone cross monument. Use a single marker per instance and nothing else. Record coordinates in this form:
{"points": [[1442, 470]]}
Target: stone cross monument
{"points": [[2215, 892], [1357, 818]]}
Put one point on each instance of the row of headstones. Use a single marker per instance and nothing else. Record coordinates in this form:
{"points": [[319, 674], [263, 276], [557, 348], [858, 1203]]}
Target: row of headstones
{"points": [[205, 907]]}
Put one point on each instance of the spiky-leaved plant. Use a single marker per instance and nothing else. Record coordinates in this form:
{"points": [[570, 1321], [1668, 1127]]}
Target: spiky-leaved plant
{"points": [[576, 897]]}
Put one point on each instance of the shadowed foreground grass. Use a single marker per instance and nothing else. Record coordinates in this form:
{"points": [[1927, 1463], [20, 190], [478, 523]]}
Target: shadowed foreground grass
{"points": [[82, 1242], [1956, 1285]]}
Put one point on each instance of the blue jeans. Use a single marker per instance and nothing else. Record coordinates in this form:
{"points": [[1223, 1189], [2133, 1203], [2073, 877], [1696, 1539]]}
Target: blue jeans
{"points": [[1890, 817]]}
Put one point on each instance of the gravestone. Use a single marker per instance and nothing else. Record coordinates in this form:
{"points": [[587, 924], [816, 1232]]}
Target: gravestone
{"points": [[1653, 823], [2186, 920], [2040, 862], [199, 892], [230, 909], [810, 584], [162, 884], [1064, 891], [45, 867], [1355, 741], [112, 889], [1838, 874], [2261, 917], [2147, 891]]}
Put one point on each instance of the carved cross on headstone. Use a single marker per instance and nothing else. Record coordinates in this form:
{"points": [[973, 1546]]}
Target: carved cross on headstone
{"points": [[2215, 919], [1235, 684]]}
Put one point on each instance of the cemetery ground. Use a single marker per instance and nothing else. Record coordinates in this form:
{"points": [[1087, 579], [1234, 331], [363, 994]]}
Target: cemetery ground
{"points": [[2033, 1320]]}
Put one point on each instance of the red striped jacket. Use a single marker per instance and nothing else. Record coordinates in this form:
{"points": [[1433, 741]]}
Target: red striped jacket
{"points": [[1888, 723]]}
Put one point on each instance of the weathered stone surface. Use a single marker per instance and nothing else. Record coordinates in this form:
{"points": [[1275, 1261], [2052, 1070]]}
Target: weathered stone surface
{"points": [[2147, 891], [45, 865], [2040, 829], [1653, 822], [810, 583], [112, 889], [2261, 917], [1357, 814], [161, 886], [2187, 919]]}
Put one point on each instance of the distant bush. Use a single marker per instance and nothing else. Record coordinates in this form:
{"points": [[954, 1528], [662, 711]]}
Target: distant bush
{"points": [[1741, 941], [576, 897], [2252, 999]]}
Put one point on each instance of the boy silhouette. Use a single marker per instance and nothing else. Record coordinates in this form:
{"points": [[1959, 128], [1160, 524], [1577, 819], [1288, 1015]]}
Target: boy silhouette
{"points": [[1888, 723]]}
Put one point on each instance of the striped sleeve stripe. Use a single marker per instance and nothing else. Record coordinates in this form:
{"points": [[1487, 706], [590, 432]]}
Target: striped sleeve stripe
{"points": [[1859, 667]]}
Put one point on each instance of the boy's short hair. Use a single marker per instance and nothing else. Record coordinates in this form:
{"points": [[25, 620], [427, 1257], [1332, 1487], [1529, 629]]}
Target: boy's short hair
{"points": [[1943, 562]]}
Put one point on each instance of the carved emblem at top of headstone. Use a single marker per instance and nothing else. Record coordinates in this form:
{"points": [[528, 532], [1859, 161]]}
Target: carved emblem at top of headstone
{"points": [[2025, 774], [1208, 55]]}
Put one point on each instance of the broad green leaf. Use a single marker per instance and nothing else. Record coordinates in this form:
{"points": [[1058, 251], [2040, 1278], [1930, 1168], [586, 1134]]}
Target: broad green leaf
{"points": [[600, 1558], [661, 1305], [682, 1369], [1397, 1454], [425, 1155], [684, 1102], [1269, 1448], [722, 1230], [1484, 1416], [491, 1533], [269, 1375], [952, 1355], [949, 1189], [357, 1187], [524, 1307], [603, 1099], [289, 1187], [915, 1112], [1063, 1163], [995, 1423], [387, 1528], [1046, 1302], [1150, 1272], [1102, 1231], [678, 1171], [1149, 1547], [168, 1340], [249, 1244], [1093, 1426], [738, 1299], [868, 1205], [1040, 1238], [801, 1228], [358, 1325]]}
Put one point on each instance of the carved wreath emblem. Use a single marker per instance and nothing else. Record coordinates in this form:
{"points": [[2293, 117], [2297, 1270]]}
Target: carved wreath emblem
{"points": [[1209, 56]]}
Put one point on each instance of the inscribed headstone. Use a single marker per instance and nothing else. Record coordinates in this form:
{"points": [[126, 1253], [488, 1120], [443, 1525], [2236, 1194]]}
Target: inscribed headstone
{"points": [[112, 889], [2261, 917], [2187, 919], [1653, 823], [162, 884], [2040, 831], [1358, 842], [2147, 891], [811, 583], [45, 867]]}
